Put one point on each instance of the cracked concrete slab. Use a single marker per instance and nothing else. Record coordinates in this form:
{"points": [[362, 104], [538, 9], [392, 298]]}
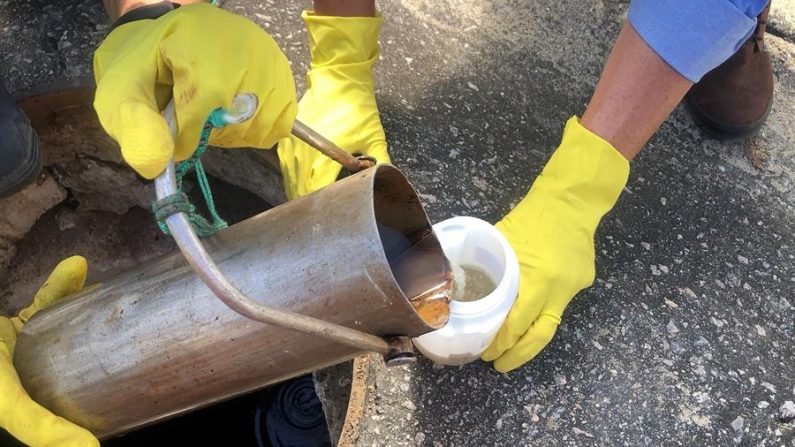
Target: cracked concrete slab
{"points": [[22, 210]]}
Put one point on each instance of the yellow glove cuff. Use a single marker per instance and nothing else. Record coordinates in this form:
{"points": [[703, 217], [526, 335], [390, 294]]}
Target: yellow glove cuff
{"points": [[339, 103], [342, 40], [586, 171]]}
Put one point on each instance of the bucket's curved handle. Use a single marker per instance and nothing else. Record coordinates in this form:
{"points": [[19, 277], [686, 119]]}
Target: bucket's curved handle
{"points": [[395, 349]]}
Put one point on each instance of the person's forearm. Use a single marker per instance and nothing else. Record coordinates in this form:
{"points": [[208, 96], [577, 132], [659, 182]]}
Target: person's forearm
{"points": [[117, 8], [345, 8], [635, 94]]}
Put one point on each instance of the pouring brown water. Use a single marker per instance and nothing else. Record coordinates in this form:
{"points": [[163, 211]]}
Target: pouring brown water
{"points": [[425, 281]]}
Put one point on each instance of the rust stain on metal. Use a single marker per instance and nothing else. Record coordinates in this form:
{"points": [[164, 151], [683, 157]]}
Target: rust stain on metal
{"points": [[434, 308]]}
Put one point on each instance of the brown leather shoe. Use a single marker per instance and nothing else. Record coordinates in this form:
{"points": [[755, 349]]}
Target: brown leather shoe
{"points": [[734, 99]]}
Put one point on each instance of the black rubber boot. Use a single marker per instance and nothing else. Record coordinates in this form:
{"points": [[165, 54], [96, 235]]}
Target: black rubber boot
{"points": [[20, 159]]}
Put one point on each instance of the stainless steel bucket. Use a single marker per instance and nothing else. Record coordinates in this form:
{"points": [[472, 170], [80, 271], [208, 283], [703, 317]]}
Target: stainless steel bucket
{"points": [[156, 342]]}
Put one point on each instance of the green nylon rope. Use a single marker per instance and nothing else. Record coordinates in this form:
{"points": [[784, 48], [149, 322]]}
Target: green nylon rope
{"points": [[179, 203]]}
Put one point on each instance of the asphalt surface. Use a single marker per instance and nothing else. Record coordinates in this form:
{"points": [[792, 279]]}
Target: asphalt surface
{"points": [[687, 336]]}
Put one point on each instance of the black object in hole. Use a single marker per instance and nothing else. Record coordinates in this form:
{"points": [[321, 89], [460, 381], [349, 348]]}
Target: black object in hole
{"points": [[293, 416]]}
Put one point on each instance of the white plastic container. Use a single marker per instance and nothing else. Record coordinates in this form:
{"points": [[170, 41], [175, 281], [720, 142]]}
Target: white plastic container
{"points": [[473, 324]]}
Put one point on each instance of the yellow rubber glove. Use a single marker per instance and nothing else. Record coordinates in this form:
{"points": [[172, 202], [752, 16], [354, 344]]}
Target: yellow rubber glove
{"points": [[552, 231], [339, 102], [207, 55], [26, 420]]}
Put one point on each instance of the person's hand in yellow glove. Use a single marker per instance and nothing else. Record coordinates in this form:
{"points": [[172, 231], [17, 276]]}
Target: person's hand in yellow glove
{"points": [[339, 102], [23, 418], [552, 231], [201, 56]]}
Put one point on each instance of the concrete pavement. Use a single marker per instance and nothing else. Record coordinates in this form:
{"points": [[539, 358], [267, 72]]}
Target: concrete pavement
{"points": [[686, 338]]}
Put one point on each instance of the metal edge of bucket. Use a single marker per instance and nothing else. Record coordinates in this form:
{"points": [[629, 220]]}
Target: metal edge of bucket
{"points": [[417, 212]]}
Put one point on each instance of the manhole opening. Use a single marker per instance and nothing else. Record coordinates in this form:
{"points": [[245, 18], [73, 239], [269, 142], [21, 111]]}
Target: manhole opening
{"points": [[94, 214]]}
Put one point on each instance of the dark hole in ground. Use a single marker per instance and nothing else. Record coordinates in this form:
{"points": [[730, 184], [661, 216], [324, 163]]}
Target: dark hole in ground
{"points": [[284, 415], [287, 414]]}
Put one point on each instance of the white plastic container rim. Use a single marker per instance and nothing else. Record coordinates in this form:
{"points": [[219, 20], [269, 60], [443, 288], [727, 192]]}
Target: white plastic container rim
{"points": [[473, 324]]}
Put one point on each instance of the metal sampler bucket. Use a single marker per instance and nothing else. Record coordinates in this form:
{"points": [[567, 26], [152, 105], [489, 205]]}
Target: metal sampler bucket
{"points": [[156, 342]]}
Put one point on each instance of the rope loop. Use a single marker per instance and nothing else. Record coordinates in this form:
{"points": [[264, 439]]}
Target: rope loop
{"points": [[179, 202]]}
